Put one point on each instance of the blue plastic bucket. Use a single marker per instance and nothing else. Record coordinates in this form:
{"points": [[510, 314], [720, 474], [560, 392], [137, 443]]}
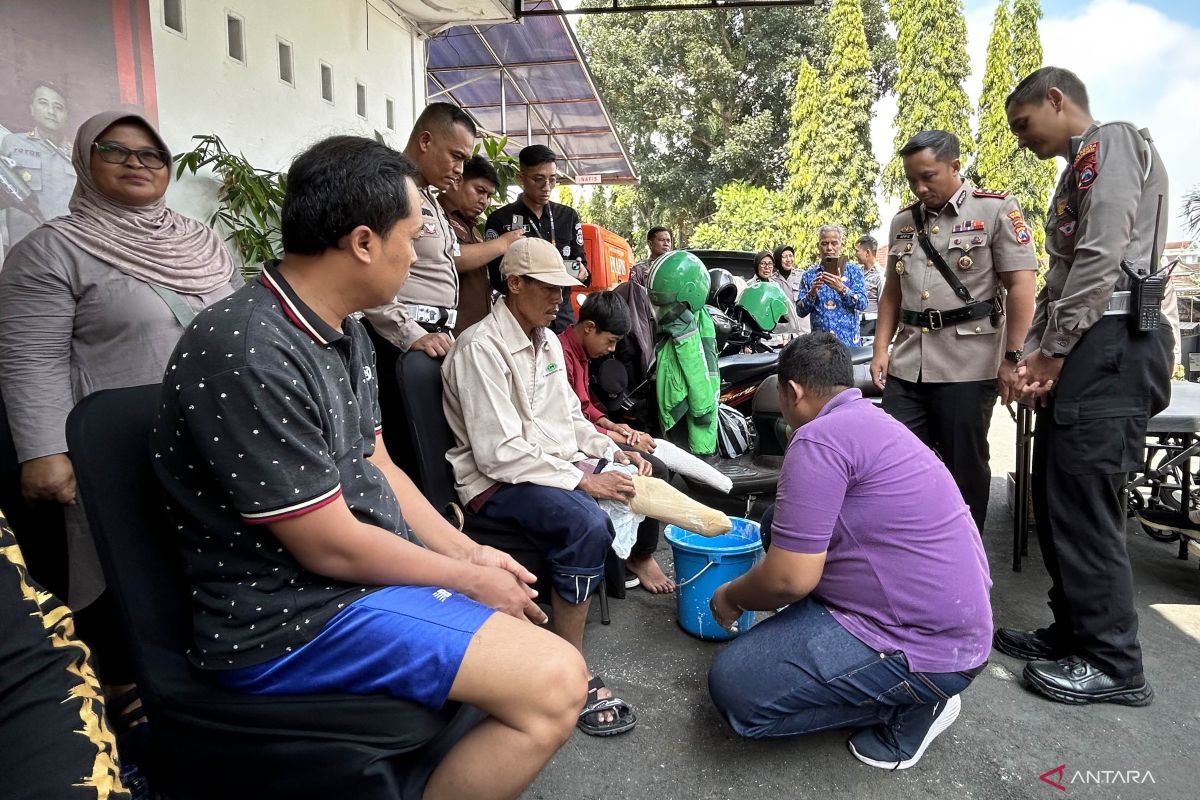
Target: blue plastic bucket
{"points": [[702, 564]]}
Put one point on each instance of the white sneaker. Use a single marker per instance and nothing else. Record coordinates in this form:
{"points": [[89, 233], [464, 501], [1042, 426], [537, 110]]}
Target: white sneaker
{"points": [[869, 748]]}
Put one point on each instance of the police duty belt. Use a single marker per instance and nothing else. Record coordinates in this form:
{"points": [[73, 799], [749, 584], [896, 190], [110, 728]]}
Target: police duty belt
{"points": [[932, 318], [434, 316]]}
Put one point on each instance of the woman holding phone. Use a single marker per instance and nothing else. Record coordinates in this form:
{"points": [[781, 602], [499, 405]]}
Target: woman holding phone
{"points": [[833, 292]]}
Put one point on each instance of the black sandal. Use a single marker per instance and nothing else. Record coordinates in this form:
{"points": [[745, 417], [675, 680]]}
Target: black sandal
{"points": [[624, 720]]}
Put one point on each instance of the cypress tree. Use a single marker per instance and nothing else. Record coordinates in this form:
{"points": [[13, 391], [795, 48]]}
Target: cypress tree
{"points": [[997, 145], [845, 188], [804, 159], [1030, 180], [931, 54]]}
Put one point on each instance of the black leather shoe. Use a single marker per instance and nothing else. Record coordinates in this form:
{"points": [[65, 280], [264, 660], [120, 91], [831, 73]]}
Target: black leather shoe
{"points": [[1027, 645], [1073, 680]]}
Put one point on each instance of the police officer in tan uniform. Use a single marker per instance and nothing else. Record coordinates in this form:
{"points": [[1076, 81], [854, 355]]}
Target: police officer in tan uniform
{"points": [[958, 340], [41, 158], [1097, 381], [426, 308]]}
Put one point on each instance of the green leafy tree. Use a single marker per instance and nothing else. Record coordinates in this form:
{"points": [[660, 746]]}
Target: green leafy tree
{"points": [[804, 160], [565, 195], [1031, 179], [843, 188], [932, 64], [997, 145], [1191, 210], [700, 98], [746, 218]]}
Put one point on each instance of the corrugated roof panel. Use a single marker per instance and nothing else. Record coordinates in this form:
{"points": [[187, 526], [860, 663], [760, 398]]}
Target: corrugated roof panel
{"points": [[544, 75]]}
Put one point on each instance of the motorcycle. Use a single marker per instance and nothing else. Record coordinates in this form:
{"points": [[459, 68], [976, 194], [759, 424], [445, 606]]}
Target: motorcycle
{"points": [[753, 435]]}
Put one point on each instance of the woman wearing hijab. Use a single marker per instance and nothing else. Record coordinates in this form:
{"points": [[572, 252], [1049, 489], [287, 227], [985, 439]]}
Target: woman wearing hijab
{"points": [[96, 300], [764, 268]]}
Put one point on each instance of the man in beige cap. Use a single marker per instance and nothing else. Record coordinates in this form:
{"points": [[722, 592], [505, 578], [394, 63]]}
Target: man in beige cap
{"points": [[525, 454]]}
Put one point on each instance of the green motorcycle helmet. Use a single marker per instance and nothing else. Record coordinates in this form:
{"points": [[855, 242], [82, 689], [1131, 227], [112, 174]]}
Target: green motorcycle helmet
{"points": [[678, 277], [766, 304]]}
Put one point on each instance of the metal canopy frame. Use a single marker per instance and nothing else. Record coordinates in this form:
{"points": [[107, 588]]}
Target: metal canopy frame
{"points": [[492, 70], [617, 7]]}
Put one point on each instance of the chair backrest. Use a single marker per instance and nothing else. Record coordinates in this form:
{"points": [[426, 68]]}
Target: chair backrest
{"points": [[420, 380], [109, 437]]}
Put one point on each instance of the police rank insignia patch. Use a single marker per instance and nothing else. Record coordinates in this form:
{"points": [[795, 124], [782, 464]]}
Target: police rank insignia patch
{"points": [[1019, 227], [1085, 165]]}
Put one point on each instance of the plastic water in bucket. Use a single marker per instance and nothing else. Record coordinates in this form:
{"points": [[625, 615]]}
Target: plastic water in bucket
{"points": [[702, 564]]}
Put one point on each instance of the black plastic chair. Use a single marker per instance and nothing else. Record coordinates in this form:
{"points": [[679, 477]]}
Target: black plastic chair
{"points": [[207, 741], [430, 438]]}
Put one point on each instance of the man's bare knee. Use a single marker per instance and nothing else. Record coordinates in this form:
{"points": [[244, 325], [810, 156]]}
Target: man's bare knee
{"points": [[561, 677]]}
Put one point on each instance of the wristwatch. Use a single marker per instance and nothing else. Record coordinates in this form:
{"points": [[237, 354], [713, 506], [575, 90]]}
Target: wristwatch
{"points": [[1014, 356]]}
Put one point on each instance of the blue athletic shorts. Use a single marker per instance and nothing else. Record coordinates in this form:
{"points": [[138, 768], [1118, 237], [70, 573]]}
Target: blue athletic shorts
{"points": [[403, 641]]}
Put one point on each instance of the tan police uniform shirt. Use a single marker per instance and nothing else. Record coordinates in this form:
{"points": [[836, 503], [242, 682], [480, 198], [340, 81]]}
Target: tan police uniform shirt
{"points": [[795, 325], [980, 234], [433, 280], [514, 415], [45, 166], [1103, 210]]}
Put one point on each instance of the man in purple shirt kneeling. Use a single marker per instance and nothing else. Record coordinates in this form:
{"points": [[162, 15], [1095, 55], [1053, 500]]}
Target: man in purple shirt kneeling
{"points": [[877, 555]]}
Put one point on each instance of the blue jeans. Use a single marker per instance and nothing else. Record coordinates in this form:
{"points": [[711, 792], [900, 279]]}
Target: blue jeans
{"points": [[569, 528], [802, 672]]}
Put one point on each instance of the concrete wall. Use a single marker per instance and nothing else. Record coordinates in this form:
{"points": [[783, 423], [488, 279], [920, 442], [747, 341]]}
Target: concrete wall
{"points": [[202, 90]]}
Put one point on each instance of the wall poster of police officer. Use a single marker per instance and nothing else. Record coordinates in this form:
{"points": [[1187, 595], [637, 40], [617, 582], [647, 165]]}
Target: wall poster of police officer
{"points": [[61, 61]]}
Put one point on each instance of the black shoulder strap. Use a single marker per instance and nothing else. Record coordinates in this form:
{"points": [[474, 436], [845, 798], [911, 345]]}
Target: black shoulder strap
{"points": [[936, 257]]}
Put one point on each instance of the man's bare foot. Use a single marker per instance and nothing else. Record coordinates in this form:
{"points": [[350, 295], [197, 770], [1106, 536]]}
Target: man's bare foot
{"points": [[601, 693], [654, 580]]}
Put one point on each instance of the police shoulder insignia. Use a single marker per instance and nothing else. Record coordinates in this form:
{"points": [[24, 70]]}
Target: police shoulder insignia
{"points": [[1020, 229], [1086, 153], [1085, 165], [989, 193], [911, 205]]}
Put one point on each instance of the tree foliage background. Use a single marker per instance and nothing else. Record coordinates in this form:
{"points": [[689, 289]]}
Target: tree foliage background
{"points": [[701, 98], [751, 127], [1014, 51], [932, 65]]}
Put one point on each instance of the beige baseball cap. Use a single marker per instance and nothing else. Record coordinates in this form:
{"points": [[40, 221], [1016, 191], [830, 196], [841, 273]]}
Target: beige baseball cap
{"points": [[537, 259]]}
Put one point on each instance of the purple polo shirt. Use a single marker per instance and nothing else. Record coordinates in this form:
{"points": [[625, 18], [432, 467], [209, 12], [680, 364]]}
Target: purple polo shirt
{"points": [[904, 567]]}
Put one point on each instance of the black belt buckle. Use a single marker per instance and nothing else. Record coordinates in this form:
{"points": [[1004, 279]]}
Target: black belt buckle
{"points": [[934, 319]]}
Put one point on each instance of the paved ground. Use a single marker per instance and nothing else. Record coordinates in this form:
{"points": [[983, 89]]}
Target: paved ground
{"points": [[1005, 738]]}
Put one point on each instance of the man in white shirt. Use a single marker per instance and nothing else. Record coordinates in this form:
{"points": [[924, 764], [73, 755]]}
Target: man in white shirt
{"points": [[525, 452]]}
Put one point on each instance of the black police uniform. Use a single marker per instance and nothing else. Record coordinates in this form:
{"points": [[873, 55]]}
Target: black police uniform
{"points": [[559, 225]]}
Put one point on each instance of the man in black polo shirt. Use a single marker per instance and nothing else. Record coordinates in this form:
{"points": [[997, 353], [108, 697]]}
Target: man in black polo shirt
{"points": [[304, 574], [533, 211]]}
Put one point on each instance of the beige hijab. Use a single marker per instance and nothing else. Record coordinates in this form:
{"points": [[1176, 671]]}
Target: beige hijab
{"points": [[151, 243]]}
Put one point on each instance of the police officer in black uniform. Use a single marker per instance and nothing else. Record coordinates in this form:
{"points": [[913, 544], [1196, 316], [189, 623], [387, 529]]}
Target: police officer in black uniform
{"points": [[1097, 379], [554, 222]]}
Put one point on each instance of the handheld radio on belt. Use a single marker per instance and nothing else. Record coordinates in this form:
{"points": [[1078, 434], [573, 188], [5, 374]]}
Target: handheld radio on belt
{"points": [[1147, 288]]}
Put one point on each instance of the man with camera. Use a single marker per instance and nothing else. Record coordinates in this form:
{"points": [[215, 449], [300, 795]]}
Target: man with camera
{"points": [[952, 257], [554, 222], [1099, 366], [833, 293]]}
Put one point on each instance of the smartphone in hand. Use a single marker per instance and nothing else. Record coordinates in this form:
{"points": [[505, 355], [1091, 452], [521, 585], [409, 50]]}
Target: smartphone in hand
{"points": [[833, 264]]}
